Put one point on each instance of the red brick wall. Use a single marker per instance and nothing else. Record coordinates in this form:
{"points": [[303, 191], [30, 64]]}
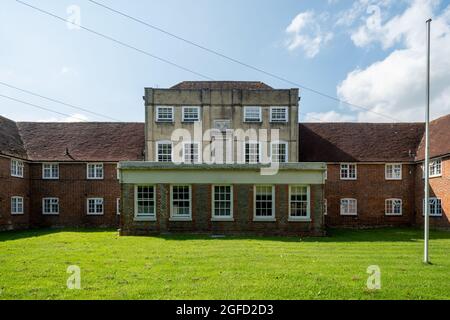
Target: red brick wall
{"points": [[371, 189], [72, 188], [10, 187], [439, 188]]}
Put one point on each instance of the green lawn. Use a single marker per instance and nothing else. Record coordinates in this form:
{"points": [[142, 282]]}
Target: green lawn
{"points": [[33, 265]]}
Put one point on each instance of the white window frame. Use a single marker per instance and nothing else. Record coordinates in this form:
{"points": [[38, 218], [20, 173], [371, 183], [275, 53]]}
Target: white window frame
{"points": [[271, 218], [247, 109], [51, 212], [95, 164], [348, 171], [438, 200], [245, 151], [14, 206], [17, 168], [95, 200], [157, 115], [434, 164], [51, 170], [177, 217], [393, 165], [199, 149], [286, 153], [215, 217], [389, 207], [164, 142], [325, 207], [184, 119], [308, 206], [147, 216], [349, 213], [118, 206], [285, 120]]}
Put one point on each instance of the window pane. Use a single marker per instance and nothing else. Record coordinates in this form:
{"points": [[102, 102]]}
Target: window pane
{"points": [[222, 201], [263, 201]]}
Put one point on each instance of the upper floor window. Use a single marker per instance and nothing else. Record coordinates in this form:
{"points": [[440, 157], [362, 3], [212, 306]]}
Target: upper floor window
{"points": [[50, 206], [16, 205], [264, 202], [436, 168], [164, 114], [191, 114], [299, 202], [50, 171], [16, 168], [279, 151], [252, 152], [349, 207], [252, 114], [95, 170], [393, 207], [145, 202], [348, 171], [279, 114], [393, 171], [435, 207], [164, 151], [95, 206], [191, 152]]}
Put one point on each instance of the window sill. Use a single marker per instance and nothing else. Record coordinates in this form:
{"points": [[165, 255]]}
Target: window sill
{"points": [[349, 214], [264, 220], [167, 122], [222, 219], [393, 214], [95, 178], [50, 214], [95, 214], [21, 177], [394, 179], [349, 179], [44, 178], [144, 219], [17, 214], [299, 220], [183, 219]]}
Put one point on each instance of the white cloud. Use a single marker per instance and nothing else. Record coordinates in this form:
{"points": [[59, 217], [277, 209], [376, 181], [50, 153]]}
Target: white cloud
{"points": [[305, 33], [330, 116], [75, 117], [395, 86]]}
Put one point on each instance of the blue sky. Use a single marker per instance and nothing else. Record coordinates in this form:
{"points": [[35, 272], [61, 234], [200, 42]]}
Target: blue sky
{"points": [[367, 52]]}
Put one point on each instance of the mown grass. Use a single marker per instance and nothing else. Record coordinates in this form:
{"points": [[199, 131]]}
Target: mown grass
{"points": [[33, 265]]}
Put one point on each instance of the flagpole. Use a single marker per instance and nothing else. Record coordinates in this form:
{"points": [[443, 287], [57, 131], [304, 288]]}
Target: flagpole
{"points": [[426, 256]]}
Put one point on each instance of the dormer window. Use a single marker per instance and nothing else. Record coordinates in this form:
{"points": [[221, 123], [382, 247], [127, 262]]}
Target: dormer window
{"points": [[252, 114], [164, 114], [279, 115], [191, 114]]}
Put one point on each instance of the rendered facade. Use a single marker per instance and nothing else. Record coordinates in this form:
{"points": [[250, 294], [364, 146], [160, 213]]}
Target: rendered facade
{"points": [[152, 177]]}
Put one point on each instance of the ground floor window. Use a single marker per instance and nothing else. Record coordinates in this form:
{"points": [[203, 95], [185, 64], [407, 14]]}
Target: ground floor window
{"points": [[299, 202], [181, 202], [17, 205], [118, 206], [349, 207], [222, 202], [393, 207], [435, 207], [95, 206], [145, 201], [50, 206], [264, 201]]}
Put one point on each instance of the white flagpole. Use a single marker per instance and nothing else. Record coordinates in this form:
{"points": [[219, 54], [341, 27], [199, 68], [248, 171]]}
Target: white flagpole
{"points": [[426, 257]]}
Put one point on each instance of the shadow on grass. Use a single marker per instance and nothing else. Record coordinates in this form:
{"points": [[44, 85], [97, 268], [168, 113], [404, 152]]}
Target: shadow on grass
{"points": [[333, 235]]}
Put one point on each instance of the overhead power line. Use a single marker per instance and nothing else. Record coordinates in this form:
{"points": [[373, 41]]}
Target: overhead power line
{"points": [[58, 101], [234, 60], [117, 41], [41, 107]]}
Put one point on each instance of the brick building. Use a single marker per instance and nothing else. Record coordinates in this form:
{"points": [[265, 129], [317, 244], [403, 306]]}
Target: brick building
{"points": [[65, 174]]}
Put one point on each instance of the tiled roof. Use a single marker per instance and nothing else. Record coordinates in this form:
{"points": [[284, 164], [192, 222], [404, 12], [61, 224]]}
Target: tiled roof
{"points": [[439, 139], [359, 142], [10, 141], [94, 141], [222, 85]]}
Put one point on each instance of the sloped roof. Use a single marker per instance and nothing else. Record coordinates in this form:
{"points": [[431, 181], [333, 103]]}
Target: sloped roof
{"points": [[93, 141], [10, 141], [439, 139], [359, 142], [222, 85]]}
